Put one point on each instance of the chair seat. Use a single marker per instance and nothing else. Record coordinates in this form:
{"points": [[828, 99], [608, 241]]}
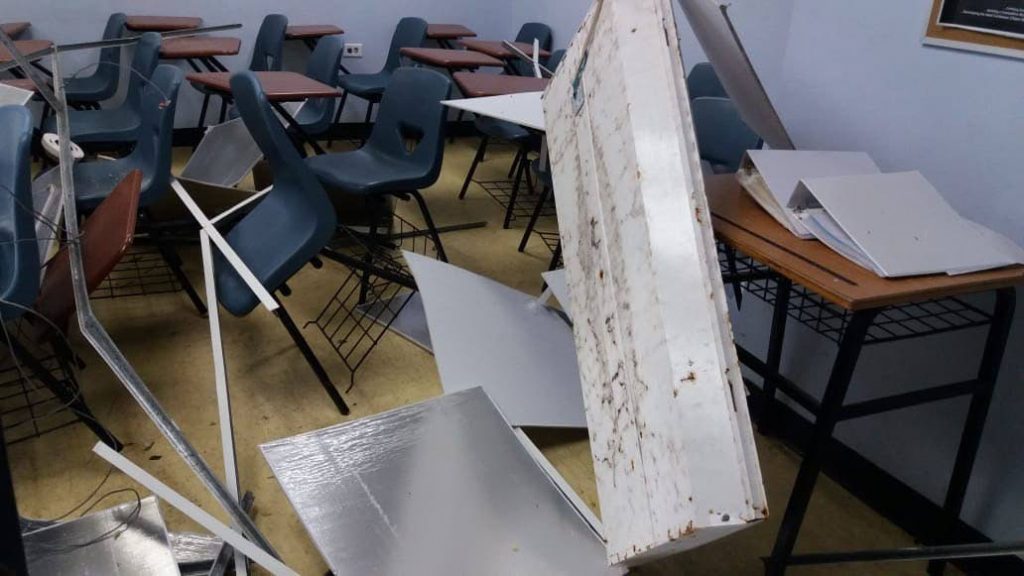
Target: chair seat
{"points": [[368, 172], [367, 86], [501, 129], [94, 181], [109, 126], [294, 245], [90, 89]]}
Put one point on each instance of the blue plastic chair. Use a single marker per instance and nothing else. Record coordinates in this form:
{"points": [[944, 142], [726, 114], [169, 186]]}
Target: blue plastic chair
{"points": [[19, 250], [493, 129], [268, 51], [116, 126], [285, 231], [411, 111], [267, 56], [152, 155], [324, 66], [722, 135], [703, 82], [410, 33], [102, 83], [19, 254], [527, 34]]}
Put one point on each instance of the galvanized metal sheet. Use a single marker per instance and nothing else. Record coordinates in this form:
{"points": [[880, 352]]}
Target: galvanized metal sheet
{"points": [[439, 488], [136, 542], [486, 334], [671, 437]]}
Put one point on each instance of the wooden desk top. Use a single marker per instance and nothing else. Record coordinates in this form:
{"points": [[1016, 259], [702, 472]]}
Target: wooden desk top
{"points": [[451, 59], [742, 224], [311, 31], [161, 23], [278, 86], [14, 29], [199, 47], [26, 47], [497, 49], [473, 85], [23, 83], [449, 32]]}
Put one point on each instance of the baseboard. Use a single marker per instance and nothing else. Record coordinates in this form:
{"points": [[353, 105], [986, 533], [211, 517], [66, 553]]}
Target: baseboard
{"points": [[883, 492], [347, 131]]}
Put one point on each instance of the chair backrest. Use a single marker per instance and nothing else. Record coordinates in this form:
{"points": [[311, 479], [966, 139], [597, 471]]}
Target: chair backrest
{"points": [[703, 82], [153, 148], [109, 66], [535, 30], [147, 57], [291, 224], [19, 249], [324, 66], [410, 125], [106, 236], [529, 32], [268, 51], [722, 135], [410, 33]]}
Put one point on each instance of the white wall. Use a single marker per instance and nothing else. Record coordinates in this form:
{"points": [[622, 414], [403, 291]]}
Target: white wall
{"points": [[369, 22], [854, 75]]}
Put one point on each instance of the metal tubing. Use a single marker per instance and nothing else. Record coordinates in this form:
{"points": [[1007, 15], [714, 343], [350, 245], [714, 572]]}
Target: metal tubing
{"points": [[97, 336], [776, 340], [480, 151], [960, 551], [824, 426], [900, 401], [988, 375], [312, 360]]}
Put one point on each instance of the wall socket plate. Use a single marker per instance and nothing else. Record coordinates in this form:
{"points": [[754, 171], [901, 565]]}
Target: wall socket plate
{"points": [[353, 50]]}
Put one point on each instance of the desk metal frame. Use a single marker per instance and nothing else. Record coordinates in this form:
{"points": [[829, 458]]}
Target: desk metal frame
{"points": [[857, 329]]}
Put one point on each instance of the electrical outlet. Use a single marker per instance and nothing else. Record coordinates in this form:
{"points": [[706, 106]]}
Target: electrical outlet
{"points": [[353, 50]]}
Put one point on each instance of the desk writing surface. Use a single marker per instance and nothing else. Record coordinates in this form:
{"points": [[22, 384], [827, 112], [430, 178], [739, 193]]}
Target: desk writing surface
{"points": [[311, 31], [22, 83], [448, 32], [199, 47], [451, 59], [26, 47], [278, 86], [743, 225], [497, 48], [474, 85], [13, 29], [161, 23]]}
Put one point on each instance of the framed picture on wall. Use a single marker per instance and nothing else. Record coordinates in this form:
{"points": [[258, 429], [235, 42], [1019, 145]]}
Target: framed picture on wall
{"points": [[992, 26]]}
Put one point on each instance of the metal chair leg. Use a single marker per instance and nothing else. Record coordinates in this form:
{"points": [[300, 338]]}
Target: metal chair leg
{"points": [[173, 260], [202, 111], [367, 123], [555, 257], [480, 151], [434, 234], [337, 119], [510, 210], [534, 218], [515, 163], [312, 360], [373, 203], [70, 398]]}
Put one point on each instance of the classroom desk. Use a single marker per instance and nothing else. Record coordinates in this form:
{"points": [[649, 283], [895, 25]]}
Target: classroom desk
{"points": [[310, 34], [497, 49], [279, 87], [473, 85], [444, 34], [23, 83], [26, 47], [203, 50], [853, 307], [161, 23], [451, 60], [15, 29]]}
